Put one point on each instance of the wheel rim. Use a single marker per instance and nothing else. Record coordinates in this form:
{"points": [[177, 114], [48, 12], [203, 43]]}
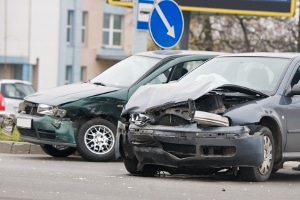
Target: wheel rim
{"points": [[99, 139], [268, 151]]}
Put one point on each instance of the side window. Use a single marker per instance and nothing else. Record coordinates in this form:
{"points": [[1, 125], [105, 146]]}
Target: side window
{"points": [[183, 68], [176, 72], [296, 77], [162, 78]]}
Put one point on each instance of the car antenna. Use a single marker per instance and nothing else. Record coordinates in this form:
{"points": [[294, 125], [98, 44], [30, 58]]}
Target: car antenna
{"points": [[261, 36]]}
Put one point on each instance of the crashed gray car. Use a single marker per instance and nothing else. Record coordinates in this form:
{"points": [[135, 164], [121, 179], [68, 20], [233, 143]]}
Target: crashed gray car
{"points": [[237, 112]]}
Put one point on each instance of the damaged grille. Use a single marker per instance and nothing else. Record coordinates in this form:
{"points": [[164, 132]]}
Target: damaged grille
{"points": [[179, 150], [27, 132], [40, 134], [208, 151], [172, 120]]}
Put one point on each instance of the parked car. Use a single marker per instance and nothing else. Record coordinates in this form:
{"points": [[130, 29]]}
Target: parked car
{"points": [[84, 116], [12, 92], [235, 112]]}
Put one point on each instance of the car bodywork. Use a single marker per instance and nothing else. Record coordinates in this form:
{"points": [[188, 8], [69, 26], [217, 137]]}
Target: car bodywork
{"points": [[12, 92], [84, 116], [216, 120]]}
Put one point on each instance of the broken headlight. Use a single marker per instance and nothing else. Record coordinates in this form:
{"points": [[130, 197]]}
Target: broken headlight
{"points": [[139, 119], [44, 109]]}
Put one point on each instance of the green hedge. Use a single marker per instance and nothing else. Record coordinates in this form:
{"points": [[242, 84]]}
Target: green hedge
{"points": [[14, 137]]}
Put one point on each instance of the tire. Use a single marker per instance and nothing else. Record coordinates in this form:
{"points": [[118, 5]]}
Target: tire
{"points": [[96, 140], [263, 172], [58, 150]]}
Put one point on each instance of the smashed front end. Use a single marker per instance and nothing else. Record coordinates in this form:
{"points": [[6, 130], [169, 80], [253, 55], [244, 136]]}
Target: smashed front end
{"points": [[191, 134]]}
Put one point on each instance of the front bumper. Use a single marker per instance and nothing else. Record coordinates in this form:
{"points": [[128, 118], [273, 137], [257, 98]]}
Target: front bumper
{"points": [[46, 130], [180, 146]]}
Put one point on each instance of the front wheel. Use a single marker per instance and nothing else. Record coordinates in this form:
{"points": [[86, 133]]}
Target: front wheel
{"points": [[263, 172], [58, 150], [96, 140]]}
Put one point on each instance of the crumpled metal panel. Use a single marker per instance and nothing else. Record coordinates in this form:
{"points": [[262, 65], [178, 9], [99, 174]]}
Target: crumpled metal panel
{"points": [[68, 93], [160, 95]]}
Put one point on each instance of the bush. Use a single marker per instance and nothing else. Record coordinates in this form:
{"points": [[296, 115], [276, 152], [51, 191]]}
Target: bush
{"points": [[14, 137]]}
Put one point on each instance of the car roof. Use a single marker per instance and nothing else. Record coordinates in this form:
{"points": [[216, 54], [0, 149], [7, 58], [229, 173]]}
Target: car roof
{"points": [[169, 53], [289, 55], [14, 81]]}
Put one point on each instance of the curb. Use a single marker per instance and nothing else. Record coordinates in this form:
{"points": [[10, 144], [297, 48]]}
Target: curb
{"points": [[20, 148]]}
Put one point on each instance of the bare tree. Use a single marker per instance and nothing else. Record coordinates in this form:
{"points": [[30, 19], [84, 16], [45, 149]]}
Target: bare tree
{"points": [[233, 33]]}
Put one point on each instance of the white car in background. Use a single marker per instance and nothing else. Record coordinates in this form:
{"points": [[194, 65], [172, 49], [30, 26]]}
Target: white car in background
{"points": [[12, 93]]}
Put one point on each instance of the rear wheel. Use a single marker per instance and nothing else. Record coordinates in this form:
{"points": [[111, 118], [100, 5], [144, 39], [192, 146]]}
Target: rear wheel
{"points": [[263, 172], [58, 150]]}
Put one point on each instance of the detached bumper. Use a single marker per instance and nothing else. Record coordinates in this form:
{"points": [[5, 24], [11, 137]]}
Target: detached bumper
{"points": [[190, 146]]}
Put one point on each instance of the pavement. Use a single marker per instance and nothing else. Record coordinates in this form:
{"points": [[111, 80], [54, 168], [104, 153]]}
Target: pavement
{"points": [[20, 148]]}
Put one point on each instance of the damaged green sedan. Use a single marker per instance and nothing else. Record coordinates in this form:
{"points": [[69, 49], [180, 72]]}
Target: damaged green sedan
{"points": [[84, 116]]}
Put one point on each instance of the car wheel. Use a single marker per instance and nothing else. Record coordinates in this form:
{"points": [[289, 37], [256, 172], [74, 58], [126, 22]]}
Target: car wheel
{"points": [[58, 150], [96, 140], [263, 172]]}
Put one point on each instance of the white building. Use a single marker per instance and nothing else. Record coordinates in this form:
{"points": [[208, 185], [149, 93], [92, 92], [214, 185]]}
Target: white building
{"points": [[57, 42]]}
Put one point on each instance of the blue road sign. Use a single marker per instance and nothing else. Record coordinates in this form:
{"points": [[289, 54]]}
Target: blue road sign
{"points": [[166, 24]]}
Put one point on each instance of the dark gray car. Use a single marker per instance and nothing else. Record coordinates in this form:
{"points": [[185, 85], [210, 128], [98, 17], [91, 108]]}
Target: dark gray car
{"points": [[235, 112]]}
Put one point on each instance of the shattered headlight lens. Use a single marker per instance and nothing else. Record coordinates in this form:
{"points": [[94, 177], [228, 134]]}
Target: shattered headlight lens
{"points": [[139, 119], [44, 109]]}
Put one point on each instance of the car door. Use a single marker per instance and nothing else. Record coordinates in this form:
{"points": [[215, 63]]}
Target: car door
{"points": [[292, 118]]}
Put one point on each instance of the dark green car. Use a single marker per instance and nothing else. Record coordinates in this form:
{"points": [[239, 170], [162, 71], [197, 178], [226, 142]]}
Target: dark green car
{"points": [[84, 116]]}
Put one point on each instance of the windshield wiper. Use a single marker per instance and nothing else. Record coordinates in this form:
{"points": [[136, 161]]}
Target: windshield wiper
{"points": [[99, 83]]}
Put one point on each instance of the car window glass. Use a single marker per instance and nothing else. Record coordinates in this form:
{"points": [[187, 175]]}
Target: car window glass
{"points": [[161, 78], [258, 73], [126, 72], [16, 91], [176, 72], [296, 77]]}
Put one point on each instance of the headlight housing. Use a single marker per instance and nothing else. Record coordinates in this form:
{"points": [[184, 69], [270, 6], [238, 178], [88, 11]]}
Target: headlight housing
{"points": [[44, 109], [139, 119]]}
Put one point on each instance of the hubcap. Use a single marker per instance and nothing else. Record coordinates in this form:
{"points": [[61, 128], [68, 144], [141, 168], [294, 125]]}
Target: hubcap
{"points": [[99, 139], [268, 151]]}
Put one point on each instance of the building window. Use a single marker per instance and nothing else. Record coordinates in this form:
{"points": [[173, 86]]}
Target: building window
{"points": [[83, 74], [1, 71], [112, 31], [70, 29], [68, 78], [84, 28], [18, 70]]}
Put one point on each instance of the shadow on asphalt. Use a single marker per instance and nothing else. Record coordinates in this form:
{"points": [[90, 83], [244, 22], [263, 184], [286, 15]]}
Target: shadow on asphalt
{"points": [[66, 159], [284, 175]]}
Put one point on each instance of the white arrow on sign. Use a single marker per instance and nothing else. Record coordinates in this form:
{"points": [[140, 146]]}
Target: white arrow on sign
{"points": [[170, 29]]}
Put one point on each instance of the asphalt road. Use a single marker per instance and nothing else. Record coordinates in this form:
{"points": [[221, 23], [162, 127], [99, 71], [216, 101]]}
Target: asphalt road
{"points": [[33, 176]]}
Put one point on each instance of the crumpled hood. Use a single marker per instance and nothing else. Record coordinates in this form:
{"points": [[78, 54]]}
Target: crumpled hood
{"points": [[68, 93], [150, 96]]}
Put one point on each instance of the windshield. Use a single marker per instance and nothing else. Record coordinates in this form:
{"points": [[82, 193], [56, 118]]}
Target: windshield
{"points": [[258, 73], [125, 72]]}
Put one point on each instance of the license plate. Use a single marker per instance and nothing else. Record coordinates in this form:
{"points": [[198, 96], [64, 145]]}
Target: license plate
{"points": [[24, 123]]}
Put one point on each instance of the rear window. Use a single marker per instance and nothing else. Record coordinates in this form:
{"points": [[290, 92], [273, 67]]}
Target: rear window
{"points": [[16, 90]]}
